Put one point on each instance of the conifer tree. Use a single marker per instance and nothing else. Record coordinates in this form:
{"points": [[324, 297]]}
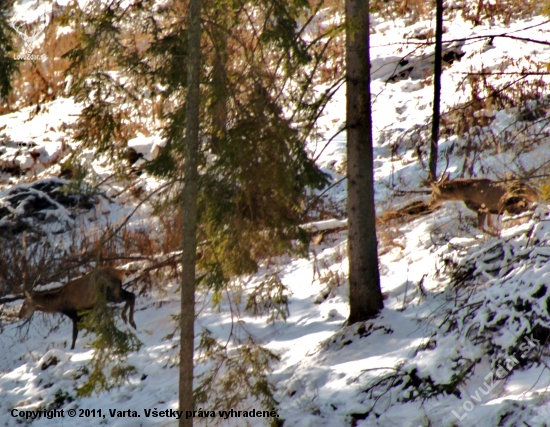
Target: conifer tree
{"points": [[8, 65], [189, 210], [364, 278], [255, 171], [258, 106], [437, 89]]}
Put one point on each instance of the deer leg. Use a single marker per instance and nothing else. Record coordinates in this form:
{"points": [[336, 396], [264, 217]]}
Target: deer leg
{"points": [[490, 223], [74, 318], [130, 302], [481, 219], [123, 312]]}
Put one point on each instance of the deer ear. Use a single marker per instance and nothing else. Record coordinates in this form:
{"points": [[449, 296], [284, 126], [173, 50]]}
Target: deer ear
{"points": [[27, 294]]}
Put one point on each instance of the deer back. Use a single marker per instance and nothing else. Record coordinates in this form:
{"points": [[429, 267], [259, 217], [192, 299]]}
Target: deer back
{"points": [[82, 293], [480, 192], [79, 294]]}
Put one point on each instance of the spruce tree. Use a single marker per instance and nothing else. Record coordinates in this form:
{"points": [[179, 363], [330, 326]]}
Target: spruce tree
{"points": [[8, 65], [437, 90], [189, 210], [364, 278], [254, 168], [258, 107]]}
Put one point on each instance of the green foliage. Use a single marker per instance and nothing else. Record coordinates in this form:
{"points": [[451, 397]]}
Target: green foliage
{"points": [[269, 297], [251, 196], [97, 62], [82, 181], [239, 377], [8, 65], [253, 189], [255, 171], [61, 398], [170, 73], [112, 347], [258, 108], [282, 31]]}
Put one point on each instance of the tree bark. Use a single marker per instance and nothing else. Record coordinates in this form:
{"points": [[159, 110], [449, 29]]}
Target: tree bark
{"points": [[437, 89], [219, 37], [364, 279], [189, 212]]}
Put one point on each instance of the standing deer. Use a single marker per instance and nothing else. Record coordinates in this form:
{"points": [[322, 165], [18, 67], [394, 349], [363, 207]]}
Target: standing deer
{"points": [[485, 197], [81, 294]]}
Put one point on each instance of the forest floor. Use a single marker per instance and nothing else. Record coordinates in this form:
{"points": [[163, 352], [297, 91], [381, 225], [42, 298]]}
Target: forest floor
{"points": [[460, 305]]}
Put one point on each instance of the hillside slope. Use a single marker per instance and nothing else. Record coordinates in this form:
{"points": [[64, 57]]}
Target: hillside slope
{"points": [[462, 338]]}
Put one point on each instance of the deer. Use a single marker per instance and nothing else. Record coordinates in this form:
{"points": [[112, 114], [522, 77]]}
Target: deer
{"points": [[81, 294], [485, 197]]}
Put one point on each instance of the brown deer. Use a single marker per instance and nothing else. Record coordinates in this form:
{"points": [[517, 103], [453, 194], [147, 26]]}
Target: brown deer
{"points": [[485, 197], [81, 294]]}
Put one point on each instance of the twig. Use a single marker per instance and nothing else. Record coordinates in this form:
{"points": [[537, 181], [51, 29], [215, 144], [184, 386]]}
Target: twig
{"points": [[321, 194]]}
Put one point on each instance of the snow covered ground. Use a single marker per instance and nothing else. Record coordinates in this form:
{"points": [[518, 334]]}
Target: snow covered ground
{"points": [[459, 304]]}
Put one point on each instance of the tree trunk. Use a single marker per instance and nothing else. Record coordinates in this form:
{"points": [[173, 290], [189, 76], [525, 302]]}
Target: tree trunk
{"points": [[189, 212], [219, 76], [437, 89], [364, 279]]}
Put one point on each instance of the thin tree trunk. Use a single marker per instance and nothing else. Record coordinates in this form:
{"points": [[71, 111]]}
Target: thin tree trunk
{"points": [[364, 279], [219, 77], [189, 212], [437, 89]]}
